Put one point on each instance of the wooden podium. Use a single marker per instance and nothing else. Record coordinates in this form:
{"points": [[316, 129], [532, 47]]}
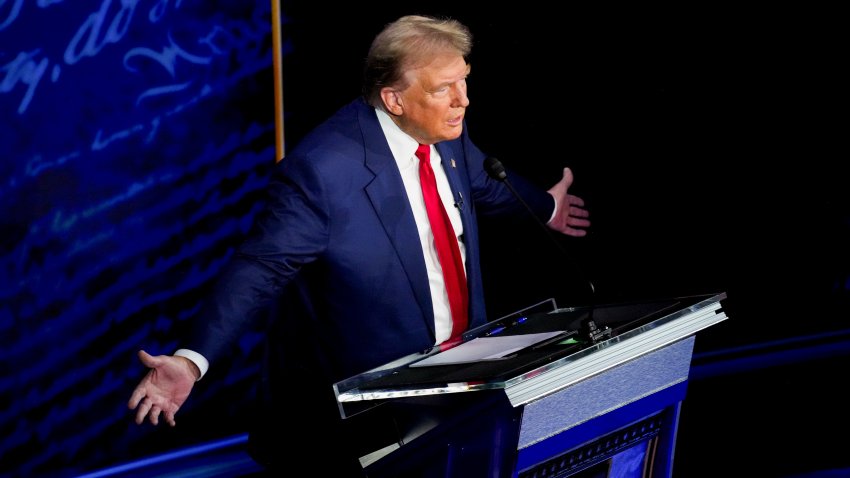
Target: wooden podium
{"points": [[601, 399]]}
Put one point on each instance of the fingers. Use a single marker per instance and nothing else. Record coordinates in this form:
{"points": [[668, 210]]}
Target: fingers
{"points": [[153, 415], [169, 418], [570, 231], [575, 200], [142, 411], [579, 212], [140, 392], [577, 222], [140, 400], [136, 397], [151, 411]]}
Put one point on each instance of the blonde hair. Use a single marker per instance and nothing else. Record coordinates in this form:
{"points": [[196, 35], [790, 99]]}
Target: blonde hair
{"points": [[408, 42]]}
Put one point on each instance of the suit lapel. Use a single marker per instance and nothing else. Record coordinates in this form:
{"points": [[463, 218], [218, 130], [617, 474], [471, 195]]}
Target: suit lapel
{"points": [[389, 199]]}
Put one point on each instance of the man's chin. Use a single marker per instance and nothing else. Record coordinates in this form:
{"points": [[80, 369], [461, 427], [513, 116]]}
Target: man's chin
{"points": [[454, 133]]}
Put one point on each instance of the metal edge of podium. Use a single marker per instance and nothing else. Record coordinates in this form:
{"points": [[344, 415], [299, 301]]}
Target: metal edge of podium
{"points": [[613, 353]]}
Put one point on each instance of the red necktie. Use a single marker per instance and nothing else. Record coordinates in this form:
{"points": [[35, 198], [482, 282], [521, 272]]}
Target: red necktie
{"points": [[445, 241]]}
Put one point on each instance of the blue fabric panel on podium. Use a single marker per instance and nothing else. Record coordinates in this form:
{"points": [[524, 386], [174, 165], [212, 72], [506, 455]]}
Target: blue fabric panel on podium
{"points": [[639, 388], [589, 431]]}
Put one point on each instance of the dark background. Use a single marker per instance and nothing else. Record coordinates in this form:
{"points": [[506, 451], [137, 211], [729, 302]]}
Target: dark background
{"points": [[702, 137]]}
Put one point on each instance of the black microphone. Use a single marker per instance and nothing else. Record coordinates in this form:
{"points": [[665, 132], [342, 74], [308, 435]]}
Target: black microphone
{"points": [[496, 170]]}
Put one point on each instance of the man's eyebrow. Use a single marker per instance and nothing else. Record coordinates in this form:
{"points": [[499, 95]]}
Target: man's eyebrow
{"points": [[468, 70]]}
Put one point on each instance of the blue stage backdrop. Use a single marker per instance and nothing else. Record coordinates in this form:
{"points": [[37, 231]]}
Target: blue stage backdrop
{"points": [[136, 138]]}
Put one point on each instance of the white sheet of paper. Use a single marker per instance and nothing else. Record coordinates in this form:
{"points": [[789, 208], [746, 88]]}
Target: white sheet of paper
{"points": [[485, 348]]}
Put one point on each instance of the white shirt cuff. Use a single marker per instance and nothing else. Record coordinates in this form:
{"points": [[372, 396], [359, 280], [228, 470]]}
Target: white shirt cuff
{"points": [[196, 358], [554, 211]]}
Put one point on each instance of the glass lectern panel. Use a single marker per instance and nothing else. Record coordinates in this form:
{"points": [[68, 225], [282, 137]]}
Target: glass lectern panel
{"points": [[578, 334]]}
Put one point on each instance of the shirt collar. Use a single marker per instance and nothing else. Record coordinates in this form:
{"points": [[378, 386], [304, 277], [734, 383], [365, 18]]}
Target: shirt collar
{"points": [[402, 145]]}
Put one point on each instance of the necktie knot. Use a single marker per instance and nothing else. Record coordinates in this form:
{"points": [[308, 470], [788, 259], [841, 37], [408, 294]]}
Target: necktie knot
{"points": [[423, 152]]}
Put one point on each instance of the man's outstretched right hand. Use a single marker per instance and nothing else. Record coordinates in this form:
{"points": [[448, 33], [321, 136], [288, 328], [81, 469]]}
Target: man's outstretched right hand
{"points": [[164, 389]]}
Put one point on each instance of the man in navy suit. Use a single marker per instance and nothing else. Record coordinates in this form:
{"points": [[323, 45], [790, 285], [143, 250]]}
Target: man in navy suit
{"points": [[345, 237]]}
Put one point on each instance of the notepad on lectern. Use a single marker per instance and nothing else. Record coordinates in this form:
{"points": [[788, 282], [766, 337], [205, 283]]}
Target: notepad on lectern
{"points": [[487, 348]]}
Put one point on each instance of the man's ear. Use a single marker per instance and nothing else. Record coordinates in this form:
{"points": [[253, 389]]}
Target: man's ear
{"points": [[392, 101]]}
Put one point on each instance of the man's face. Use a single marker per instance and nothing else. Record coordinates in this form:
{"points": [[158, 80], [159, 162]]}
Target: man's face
{"points": [[434, 102]]}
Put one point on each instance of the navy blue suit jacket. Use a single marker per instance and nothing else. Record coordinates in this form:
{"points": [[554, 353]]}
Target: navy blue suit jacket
{"points": [[339, 228], [337, 239]]}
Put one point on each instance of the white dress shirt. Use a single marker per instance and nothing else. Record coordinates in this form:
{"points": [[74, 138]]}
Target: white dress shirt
{"points": [[404, 148]]}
